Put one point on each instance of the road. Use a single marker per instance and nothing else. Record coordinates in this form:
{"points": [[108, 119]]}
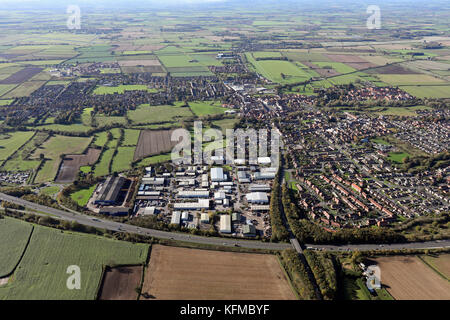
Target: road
{"points": [[122, 227], [437, 244]]}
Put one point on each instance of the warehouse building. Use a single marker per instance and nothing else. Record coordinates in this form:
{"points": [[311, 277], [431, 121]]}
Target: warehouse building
{"points": [[249, 230], [201, 204], [257, 197], [217, 175], [193, 194], [176, 217], [110, 190], [259, 188], [243, 177], [225, 223]]}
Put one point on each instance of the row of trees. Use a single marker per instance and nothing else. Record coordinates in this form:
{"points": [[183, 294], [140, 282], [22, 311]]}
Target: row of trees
{"points": [[298, 274], [323, 266], [279, 231]]}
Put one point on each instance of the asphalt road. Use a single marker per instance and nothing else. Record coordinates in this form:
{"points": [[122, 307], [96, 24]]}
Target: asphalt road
{"points": [[177, 236], [437, 244], [122, 227]]}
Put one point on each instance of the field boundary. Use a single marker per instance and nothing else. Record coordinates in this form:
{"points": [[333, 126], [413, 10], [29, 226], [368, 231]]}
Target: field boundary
{"points": [[21, 256], [288, 278], [433, 268]]}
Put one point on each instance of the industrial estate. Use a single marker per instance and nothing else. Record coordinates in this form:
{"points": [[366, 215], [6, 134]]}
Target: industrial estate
{"points": [[91, 107]]}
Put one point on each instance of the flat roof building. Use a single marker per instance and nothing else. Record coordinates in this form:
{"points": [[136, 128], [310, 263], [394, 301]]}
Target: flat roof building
{"points": [[110, 190], [204, 218], [176, 217], [217, 175], [249, 230], [201, 204], [257, 197], [193, 194], [225, 223]]}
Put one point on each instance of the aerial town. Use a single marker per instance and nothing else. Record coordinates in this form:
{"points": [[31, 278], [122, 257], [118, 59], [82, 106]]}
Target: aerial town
{"points": [[235, 145]]}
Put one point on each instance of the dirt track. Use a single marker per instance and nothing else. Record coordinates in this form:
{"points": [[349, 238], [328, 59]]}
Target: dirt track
{"points": [[182, 274], [408, 278]]}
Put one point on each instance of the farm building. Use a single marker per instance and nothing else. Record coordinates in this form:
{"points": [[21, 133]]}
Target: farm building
{"points": [[257, 197], [109, 191], [225, 223], [217, 175]]}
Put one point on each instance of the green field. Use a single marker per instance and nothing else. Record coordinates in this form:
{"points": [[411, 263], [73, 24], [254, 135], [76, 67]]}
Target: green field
{"points": [[10, 142], [81, 197], [204, 108], [123, 159], [428, 91], [42, 271], [408, 79], [398, 157], [49, 191], [157, 114], [20, 161], [338, 66], [100, 138], [52, 150], [279, 71], [131, 137], [14, 236], [154, 159], [121, 89]]}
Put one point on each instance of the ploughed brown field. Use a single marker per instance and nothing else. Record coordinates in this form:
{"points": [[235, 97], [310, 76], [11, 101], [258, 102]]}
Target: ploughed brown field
{"points": [[21, 75], [408, 278], [153, 142], [392, 69], [120, 283], [183, 274], [71, 165]]}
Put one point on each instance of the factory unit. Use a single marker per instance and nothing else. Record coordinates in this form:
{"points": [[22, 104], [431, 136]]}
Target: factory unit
{"points": [[109, 191], [193, 194], [225, 223], [201, 204], [176, 217], [257, 197], [217, 175]]}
